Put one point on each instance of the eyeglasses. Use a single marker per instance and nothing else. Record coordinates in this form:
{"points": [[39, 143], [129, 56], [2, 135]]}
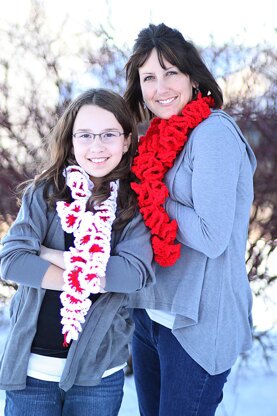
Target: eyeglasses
{"points": [[107, 137]]}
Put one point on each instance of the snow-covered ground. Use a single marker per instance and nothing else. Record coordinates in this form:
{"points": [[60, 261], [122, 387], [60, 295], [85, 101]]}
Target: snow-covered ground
{"points": [[252, 386]]}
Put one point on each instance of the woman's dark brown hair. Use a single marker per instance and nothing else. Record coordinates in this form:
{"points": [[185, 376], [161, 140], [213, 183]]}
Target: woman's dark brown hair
{"points": [[170, 45], [60, 155]]}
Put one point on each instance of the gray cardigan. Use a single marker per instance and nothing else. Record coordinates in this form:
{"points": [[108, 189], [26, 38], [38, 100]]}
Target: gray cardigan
{"points": [[211, 192], [103, 343]]}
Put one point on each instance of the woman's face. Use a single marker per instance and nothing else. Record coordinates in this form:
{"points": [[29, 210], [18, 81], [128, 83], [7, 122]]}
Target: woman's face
{"points": [[165, 91], [98, 156]]}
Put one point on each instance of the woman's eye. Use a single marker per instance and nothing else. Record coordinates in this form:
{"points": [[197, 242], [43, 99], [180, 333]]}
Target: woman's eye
{"points": [[172, 73], [148, 78]]}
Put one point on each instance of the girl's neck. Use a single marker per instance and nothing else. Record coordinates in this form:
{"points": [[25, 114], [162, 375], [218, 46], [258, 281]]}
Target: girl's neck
{"points": [[95, 181]]}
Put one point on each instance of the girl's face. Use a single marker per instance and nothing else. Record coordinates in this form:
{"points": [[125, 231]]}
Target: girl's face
{"points": [[98, 155], [165, 91]]}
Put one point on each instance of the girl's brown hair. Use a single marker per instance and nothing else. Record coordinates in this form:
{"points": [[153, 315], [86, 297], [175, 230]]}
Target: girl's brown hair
{"points": [[60, 155]]}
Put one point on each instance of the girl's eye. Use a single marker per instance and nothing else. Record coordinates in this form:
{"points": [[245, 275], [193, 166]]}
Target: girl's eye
{"points": [[109, 135]]}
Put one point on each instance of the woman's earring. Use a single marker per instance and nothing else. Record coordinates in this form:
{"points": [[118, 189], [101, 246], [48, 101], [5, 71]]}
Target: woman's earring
{"points": [[144, 105], [195, 91]]}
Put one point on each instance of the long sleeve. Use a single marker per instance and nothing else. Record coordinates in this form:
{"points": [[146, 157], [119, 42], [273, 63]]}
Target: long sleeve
{"points": [[130, 265], [20, 261], [215, 158]]}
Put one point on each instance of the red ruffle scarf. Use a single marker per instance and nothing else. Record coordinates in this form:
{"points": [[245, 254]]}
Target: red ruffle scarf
{"points": [[157, 152]]}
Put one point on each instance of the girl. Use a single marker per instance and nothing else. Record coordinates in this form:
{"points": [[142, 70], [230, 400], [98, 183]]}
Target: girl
{"points": [[70, 328], [195, 172]]}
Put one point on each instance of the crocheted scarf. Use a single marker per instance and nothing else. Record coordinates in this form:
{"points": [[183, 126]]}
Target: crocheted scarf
{"points": [[85, 262], [157, 152]]}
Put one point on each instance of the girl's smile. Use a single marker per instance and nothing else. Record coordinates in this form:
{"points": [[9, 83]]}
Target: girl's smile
{"points": [[98, 141]]}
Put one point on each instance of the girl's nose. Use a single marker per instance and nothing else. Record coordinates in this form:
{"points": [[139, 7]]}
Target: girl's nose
{"points": [[97, 143]]}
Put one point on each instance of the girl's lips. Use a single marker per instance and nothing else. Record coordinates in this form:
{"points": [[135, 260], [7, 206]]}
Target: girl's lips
{"points": [[98, 160]]}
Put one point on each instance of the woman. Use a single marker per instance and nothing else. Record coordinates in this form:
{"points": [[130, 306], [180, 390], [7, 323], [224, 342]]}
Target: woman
{"points": [[68, 341], [194, 185]]}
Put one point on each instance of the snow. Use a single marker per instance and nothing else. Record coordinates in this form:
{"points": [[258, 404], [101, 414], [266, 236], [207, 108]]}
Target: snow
{"points": [[251, 389]]}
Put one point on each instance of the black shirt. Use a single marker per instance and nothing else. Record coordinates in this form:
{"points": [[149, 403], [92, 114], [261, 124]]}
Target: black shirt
{"points": [[48, 339]]}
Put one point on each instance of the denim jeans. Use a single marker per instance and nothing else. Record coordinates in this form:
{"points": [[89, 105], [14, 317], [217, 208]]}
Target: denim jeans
{"points": [[45, 398], [168, 381]]}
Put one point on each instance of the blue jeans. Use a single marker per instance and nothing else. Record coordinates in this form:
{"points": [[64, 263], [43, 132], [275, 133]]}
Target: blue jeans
{"points": [[45, 398], [168, 381]]}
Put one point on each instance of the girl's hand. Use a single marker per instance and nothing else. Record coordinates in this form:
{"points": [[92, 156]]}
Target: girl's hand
{"points": [[53, 278], [53, 256], [56, 258], [102, 285]]}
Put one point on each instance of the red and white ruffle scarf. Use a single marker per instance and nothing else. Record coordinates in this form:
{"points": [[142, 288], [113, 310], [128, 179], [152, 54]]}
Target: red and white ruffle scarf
{"points": [[86, 262]]}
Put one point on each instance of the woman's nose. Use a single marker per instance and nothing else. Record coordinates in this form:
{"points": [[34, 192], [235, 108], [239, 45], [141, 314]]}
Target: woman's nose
{"points": [[161, 85]]}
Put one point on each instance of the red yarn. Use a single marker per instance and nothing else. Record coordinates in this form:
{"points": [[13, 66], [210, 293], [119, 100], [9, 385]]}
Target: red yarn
{"points": [[65, 344], [157, 152]]}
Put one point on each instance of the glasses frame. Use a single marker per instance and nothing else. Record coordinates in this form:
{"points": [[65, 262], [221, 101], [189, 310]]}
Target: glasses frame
{"points": [[94, 135]]}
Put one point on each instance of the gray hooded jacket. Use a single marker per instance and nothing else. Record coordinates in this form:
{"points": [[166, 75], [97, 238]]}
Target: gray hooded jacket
{"points": [[211, 192]]}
